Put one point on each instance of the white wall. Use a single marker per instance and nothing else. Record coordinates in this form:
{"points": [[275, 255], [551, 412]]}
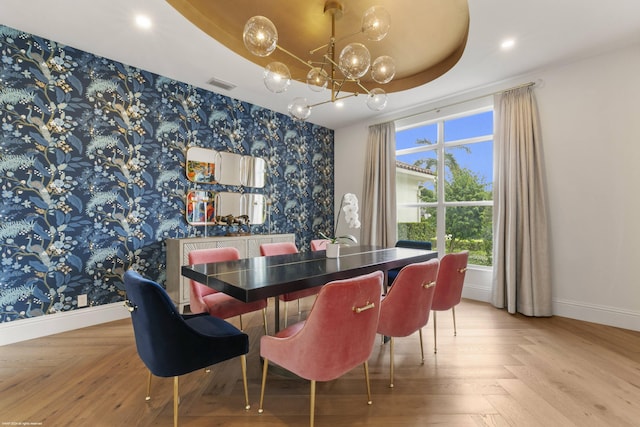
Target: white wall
{"points": [[590, 115], [349, 156]]}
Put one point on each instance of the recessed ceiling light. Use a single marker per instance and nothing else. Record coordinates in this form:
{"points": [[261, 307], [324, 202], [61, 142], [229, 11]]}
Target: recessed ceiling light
{"points": [[339, 104], [143, 21], [507, 44]]}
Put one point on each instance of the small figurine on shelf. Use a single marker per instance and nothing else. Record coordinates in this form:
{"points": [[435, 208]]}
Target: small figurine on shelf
{"points": [[230, 221], [244, 226]]}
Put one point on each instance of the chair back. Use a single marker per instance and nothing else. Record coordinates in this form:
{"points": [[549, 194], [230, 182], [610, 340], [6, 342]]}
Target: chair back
{"points": [[414, 244], [339, 332], [319, 244], [406, 307], [278, 248], [450, 280], [169, 346], [204, 256]]}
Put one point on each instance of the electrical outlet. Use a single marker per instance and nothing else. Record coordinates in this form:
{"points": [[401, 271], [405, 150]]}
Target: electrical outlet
{"points": [[83, 300]]}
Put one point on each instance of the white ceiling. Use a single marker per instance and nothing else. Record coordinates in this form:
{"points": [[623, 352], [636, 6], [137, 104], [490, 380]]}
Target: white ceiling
{"points": [[547, 32]]}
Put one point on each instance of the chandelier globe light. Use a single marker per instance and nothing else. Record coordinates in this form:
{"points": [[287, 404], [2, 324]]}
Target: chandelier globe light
{"points": [[260, 37], [376, 22], [299, 109], [317, 79], [355, 60], [376, 99], [383, 69], [277, 77]]}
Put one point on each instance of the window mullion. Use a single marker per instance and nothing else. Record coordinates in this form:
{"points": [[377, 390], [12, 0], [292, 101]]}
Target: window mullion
{"points": [[440, 225]]}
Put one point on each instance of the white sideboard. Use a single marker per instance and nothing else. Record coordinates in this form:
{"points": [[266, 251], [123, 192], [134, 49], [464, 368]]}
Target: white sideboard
{"points": [[178, 255]]}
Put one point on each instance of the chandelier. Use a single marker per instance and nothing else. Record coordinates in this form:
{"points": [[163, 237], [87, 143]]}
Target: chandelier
{"points": [[353, 62]]}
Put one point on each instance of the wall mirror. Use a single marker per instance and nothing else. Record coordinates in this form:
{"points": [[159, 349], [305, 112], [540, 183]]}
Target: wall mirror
{"points": [[209, 208], [208, 166], [228, 168], [251, 206], [254, 171], [200, 207], [201, 165]]}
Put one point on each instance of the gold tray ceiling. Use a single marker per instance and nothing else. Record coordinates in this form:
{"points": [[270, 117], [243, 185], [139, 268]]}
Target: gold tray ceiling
{"points": [[426, 39]]}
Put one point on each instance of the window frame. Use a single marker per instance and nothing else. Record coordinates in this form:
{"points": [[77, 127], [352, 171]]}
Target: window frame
{"points": [[439, 117]]}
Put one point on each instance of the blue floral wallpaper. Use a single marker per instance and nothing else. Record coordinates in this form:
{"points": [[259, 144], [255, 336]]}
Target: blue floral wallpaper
{"points": [[92, 156]]}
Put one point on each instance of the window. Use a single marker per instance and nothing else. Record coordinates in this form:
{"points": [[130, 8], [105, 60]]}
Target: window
{"points": [[454, 213]]}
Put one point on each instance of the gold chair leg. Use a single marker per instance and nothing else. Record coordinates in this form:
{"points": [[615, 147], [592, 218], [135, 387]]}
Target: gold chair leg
{"points": [[241, 327], [366, 378], [455, 331], [421, 346], [243, 364], [391, 363], [176, 398], [264, 380], [313, 403], [148, 397], [435, 338], [286, 313], [264, 320]]}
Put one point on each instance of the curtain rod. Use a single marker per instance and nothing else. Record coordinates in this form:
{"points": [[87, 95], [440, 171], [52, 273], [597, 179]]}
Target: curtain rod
{"points": [[468, 100]]}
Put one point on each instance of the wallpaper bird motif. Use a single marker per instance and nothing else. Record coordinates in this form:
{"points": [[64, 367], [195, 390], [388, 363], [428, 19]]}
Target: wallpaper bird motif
{"points": [[92, 158]]}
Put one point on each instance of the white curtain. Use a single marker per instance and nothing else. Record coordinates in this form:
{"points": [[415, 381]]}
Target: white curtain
{"points": [[521, 280], [379, 192]]}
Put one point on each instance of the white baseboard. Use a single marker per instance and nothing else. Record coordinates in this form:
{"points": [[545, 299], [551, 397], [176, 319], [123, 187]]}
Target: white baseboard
{"points": [[476, 292], [601, 314], [477, 287], [477, 284], [36, 327]]}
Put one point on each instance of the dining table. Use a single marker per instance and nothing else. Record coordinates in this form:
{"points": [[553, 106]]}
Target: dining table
{"points": [[252, 279]]}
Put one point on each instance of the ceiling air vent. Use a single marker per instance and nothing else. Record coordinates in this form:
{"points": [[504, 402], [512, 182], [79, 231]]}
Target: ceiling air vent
{"points": [[221, 84]]}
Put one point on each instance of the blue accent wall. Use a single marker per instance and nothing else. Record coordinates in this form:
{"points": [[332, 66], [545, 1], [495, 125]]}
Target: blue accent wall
{"points": [[92, 156]]}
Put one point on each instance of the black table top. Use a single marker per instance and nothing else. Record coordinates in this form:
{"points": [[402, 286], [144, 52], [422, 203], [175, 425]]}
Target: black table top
{"points": [[252, 279]]}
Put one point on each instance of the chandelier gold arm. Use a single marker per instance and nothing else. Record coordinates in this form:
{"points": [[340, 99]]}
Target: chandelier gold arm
{"points": [[293, 55], [351, 95], [261, 38]]}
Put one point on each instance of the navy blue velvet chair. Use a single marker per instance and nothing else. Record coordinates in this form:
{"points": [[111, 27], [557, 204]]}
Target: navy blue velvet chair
{"points": [[171, 344], [413, 244]]}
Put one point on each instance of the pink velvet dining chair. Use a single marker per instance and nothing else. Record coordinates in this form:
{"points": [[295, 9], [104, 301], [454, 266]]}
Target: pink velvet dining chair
{"points": [[218, 304], [319, 244], [405, 309], [449, 284], [284, 248], [337, 336]]}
